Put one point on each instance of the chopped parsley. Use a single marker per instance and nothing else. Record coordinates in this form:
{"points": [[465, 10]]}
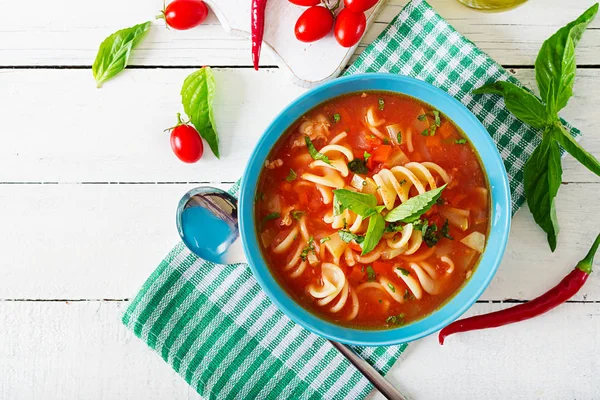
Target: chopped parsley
{"points": [[291, 176], [358, 166], [348, 236], [297, 214], [381, 104], [380, 301], [425, 132], [404, 272], [392, 288], [386, 141], [399, 137], [446, 231], [408, 295], [422, 117], [395, 319], [259, 196], [370, 274], [440, 201], [336, 117], [402, 182], [429, 234], [460, 141], [314, 153], [310, 247], [366, 156], [436, 117], [325, 239], [269, 217], [393, 227]]}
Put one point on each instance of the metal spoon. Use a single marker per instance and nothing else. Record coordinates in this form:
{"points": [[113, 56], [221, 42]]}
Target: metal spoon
{"points": [[207, 223]]}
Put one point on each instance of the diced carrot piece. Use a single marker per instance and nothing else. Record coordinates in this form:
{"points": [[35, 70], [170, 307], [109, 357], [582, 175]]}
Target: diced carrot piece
{"points": [[354, 246], [445, 130], [357, 275], [456, 200], [381, 153], [303, 197], [433, 141], [381, 266]]}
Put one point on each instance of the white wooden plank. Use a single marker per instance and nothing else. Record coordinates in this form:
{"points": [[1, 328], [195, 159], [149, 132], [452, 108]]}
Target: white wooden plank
{"points": [[103, 241], [84, 241], [551, 357], [82, 134], [56, 350], [79, 350], [53, 36]]}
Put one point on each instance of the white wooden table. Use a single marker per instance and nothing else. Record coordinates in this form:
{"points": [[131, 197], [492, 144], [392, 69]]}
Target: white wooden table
{"points": [[89, 188]]}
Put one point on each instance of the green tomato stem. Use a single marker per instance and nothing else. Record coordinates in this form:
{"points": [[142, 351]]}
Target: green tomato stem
{"points": [[587, 262]]}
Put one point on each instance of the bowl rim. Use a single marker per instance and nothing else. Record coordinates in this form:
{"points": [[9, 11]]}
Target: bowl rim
{"points": [[500, 217]]}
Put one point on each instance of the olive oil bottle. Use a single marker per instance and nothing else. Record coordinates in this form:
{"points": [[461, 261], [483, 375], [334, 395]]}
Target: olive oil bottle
{"points": [[492, 5]]}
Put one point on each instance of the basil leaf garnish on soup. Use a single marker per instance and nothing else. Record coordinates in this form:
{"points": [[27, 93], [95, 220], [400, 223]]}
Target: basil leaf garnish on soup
{"points": [[372, 245], [414, 207]]}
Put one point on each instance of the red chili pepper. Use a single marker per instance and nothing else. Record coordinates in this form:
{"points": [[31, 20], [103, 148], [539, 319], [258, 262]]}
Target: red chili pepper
{"points": [[546, 302], [258, 29]]}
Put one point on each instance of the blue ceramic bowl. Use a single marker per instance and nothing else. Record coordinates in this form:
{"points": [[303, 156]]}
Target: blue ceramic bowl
{"points": [[500, 217]]}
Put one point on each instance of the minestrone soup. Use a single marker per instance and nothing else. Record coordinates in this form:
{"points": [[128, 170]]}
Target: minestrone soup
{"points": [[372, 210]]}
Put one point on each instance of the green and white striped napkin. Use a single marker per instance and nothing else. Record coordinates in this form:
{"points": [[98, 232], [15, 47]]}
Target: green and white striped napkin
{"points": [[216, 327]]}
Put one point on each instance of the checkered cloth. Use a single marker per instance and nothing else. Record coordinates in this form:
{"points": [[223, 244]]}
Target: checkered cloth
{"points": [[216, 327]]}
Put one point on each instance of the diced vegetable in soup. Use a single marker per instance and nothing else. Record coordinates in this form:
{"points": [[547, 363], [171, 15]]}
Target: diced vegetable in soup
{"points": [[373, 210]]}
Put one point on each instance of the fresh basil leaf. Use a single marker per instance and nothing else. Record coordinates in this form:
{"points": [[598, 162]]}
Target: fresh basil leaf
{"points": [[358, 166], [446, 231], [422, 117], [523, 104], [366, 156], [197, 96], [573, 148], [314, 153], [374, 233], [556, 60], [414, 207], [429, 235], [115, 50], [291, 176], [542, 176], [360, 203]]}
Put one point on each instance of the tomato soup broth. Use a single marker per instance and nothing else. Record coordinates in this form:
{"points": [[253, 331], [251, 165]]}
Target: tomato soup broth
{"points": [[391, 148]]}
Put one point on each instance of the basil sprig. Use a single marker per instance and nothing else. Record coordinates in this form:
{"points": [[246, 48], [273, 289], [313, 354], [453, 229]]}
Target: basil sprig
{"points": [[414, 207], [115, 50], [365, 205], [197, 96], [555, 73], [314, 153]]}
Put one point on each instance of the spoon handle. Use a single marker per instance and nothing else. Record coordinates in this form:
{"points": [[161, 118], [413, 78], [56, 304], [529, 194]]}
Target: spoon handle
{"points": [[385, 387]]}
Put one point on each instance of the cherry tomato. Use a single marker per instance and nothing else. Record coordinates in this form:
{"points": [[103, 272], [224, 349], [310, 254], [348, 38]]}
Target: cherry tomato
{"points": [[359, 6], [305, 3], [349, 27], [313, 24], [185, 14], [186, 143]]}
